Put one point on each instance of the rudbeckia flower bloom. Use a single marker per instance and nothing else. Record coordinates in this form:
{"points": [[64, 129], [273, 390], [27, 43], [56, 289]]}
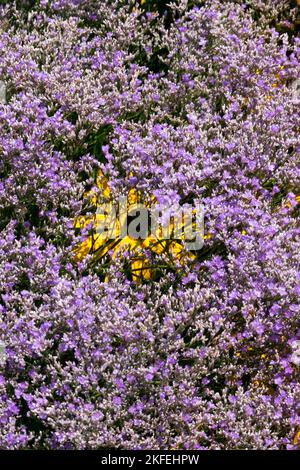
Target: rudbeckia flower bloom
{"points": [[139, 252]]}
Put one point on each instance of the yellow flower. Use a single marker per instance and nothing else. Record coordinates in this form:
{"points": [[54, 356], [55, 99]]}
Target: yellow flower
{"points": [[98, 245], [296, 439]]}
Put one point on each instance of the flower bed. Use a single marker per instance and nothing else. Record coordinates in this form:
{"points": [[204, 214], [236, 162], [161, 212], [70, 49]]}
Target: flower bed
{"points": [[143, 345]]}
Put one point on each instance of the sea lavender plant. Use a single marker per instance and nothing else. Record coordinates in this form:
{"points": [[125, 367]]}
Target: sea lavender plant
{"points": [[182, 100]]}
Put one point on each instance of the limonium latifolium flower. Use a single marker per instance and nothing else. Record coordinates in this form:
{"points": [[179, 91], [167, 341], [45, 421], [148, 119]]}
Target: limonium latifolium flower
{"points": [[122, 343]]}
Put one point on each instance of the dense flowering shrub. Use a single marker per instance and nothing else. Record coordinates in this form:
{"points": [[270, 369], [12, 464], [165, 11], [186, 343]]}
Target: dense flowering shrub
{"points": [[181, 100]]}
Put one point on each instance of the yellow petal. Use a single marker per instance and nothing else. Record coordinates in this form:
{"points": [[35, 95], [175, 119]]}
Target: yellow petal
{"points": [[102, 184], [296, 439], [132, 197], [83, 249]]}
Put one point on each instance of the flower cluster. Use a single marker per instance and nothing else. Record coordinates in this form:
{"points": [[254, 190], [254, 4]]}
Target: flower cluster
{"points": [[180, 101]]}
